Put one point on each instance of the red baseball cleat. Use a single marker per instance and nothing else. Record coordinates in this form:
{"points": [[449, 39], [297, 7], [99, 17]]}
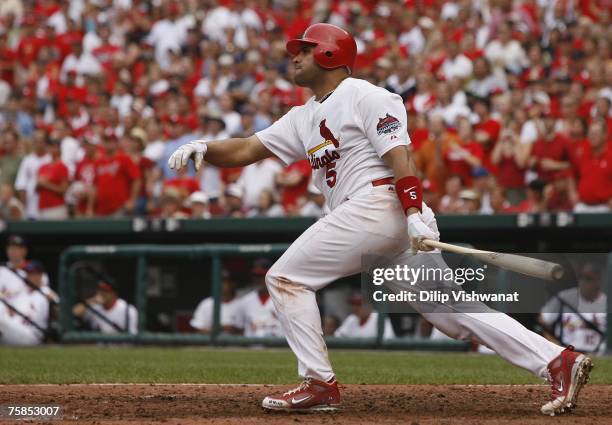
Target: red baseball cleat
{"points": [[311, 395], [567, 374]]}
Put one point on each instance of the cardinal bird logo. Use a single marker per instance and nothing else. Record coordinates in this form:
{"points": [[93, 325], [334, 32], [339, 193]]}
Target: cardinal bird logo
{"points": [[388, 124], [327, 135]]}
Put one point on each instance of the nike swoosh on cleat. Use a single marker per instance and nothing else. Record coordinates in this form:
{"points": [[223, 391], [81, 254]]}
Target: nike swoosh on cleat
{"points": [[560, 389], [300, 400]]}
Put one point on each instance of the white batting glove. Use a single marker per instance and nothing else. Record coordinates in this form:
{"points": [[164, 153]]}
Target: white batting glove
{"points": [[418, 230], [180, 157]]}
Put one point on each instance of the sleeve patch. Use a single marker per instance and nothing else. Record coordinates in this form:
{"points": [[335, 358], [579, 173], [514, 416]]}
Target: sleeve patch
{"points": [[387, 125]]}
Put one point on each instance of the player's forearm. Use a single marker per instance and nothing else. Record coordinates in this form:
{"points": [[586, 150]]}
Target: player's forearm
{"points": [[227, 153]]}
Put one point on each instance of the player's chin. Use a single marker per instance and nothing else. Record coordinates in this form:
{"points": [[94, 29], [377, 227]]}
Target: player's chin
{"points": [[302, 78]]}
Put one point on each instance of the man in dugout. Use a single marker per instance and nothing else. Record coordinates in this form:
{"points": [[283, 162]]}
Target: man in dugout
{"points": [[106, 312]]}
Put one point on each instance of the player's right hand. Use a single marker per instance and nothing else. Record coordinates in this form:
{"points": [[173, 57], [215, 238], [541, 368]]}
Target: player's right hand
{"points": [[418, 230], [180, 157]]}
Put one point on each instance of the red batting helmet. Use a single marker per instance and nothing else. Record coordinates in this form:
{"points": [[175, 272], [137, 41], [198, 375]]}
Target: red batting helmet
{"points": [[333, 47]]}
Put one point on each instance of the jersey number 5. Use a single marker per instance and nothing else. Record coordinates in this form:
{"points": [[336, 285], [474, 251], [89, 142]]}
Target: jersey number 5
{"points": [[330, 174]]}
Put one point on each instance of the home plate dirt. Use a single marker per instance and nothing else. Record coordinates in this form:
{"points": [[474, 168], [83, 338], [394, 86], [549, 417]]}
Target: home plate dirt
{"points": [[362, 404]]}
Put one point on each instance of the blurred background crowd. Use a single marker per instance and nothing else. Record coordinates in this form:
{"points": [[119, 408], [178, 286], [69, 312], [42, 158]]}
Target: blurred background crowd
{"points": [[508, 102]]}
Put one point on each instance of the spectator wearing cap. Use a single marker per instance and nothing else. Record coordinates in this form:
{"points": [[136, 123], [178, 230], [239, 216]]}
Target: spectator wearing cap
{"points": [[24, 322], [171, 204], [52, 183], [198, 204], [595, 181], [363, 321], [258, 312], [11, 156], [230, 314], [534, 202], [470, 202], [483, 184], [110, 314], [233, 205], [27, 177], [117, 182], [577, 316]]}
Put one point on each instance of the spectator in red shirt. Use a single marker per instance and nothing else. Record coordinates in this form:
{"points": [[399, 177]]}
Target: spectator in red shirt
{"points": [[486, 132], [83, 188], [509, 167], [8, 58], [117, 182], [535, 202], [595, 184], [293, 181], [136, 143], [184, 183], [464, 154], [52, 184], [550, 153]]}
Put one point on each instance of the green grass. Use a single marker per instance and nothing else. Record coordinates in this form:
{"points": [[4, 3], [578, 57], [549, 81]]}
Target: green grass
{"points": [[82, 364]]}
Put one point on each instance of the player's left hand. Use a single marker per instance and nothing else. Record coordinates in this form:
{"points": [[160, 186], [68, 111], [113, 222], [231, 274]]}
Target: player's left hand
{"points": [[180, 157], [422, 226]]}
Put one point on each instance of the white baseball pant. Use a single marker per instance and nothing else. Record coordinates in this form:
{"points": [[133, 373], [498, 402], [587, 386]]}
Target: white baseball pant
{"points": [[373, 223]]}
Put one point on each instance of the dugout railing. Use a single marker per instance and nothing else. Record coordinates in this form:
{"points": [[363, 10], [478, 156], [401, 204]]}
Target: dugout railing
{"points": [[215, 253]]}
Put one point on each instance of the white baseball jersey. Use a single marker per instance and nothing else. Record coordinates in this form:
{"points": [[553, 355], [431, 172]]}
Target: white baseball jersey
{"points": [[34, 305], [231, 314], [570, 327], [259, 319], [10, 284], [353, 327], [121, 313], [344, 138]]}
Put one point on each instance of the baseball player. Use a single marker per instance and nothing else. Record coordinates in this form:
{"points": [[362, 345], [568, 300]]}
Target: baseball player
{"points": [[108, 313], [25, 321], [354, 135]]}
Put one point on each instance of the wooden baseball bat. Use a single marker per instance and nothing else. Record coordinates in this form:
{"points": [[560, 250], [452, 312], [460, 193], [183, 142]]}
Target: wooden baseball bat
{"points": [[516, 263]]}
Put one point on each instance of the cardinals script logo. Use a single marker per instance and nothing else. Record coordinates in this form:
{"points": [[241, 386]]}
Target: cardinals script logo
{"points": [[330, 155], [388, 124]]}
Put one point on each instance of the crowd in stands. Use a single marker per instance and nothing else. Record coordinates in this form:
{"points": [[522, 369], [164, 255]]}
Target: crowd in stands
{"points": [[508, 102]]}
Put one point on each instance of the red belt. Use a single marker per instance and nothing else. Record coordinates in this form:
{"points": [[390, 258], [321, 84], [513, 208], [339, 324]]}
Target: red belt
{"points": [[383, 181]]}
